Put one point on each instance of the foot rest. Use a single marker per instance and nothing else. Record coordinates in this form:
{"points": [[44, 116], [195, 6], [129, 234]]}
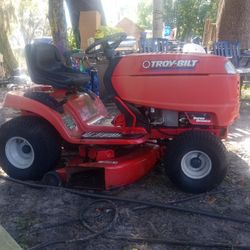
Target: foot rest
{"points": [[109, 135]]}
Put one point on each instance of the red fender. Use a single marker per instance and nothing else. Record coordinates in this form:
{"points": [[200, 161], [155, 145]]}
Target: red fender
{"points": [[16, 100]]}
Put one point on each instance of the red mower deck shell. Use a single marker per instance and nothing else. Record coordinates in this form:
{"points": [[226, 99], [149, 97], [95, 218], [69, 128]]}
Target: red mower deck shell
{"points": [[123, 169]]}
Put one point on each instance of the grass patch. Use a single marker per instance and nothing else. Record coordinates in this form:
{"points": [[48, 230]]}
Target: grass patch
{"points": [[245, 90]]}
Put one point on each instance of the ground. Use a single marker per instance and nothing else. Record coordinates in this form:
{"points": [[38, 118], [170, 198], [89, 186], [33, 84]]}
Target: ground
{"points": [[25, 211]]}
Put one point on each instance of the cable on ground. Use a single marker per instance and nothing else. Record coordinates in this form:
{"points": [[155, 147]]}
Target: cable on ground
{"points": [[104, 230]]}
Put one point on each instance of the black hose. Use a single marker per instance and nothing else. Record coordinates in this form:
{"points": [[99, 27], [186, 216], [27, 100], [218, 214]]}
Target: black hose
{"points": [[52, 243], [147, 203], [176, 243], [95, 233], [145, 240], [199, 196], [104, 230], [164, 206], [64, 223]]}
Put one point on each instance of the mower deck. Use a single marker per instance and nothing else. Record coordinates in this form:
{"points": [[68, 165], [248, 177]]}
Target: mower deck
{"points": [[130, 165]]}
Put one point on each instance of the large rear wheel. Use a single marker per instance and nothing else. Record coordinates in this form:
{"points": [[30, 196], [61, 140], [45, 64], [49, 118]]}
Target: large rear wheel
{"points": [[29, 147], [196, 161]]}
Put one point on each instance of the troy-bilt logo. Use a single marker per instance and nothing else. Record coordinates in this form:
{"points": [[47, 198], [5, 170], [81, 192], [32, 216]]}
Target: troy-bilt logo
{"points": [[170, 64]]}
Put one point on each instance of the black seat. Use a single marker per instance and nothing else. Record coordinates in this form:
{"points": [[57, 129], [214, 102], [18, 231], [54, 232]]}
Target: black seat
{"points": [[46, 66]]}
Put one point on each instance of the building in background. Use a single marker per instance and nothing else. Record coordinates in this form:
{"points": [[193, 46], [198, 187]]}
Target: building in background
{"points": [[131, 28], [116, 10]]}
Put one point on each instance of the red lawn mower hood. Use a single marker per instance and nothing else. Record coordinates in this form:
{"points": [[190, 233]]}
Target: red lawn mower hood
{"points": [[180, 82], [163, 63]]}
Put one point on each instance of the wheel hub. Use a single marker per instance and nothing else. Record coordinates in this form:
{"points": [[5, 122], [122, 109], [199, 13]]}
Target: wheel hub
{"points": [[19, 152], [26, 149], [196, 164]]}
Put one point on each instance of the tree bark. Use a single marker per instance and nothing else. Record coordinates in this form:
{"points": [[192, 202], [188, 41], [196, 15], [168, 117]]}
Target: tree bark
{"points": [[75, 7], [157, 18], [10, 62], [58, 24], [233, 21]]}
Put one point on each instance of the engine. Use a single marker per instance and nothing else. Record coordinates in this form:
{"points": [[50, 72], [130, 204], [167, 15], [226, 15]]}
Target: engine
{"points": [[169, 118]]}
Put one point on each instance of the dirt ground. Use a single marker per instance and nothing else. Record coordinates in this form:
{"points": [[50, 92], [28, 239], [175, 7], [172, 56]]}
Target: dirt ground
{"points": [[26, 212]]}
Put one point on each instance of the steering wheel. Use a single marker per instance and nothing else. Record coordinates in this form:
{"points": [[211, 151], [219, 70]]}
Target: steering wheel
{"points": [[106, 45]]}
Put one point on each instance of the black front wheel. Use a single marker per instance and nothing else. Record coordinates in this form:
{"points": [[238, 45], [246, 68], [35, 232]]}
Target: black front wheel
{"points": [[196, 161], [29, 147]]}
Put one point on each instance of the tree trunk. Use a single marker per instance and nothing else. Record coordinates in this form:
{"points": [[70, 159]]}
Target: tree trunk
{"points": [[157, 18], [58, 24], [233, 21], [10, 61], [75, 7]]}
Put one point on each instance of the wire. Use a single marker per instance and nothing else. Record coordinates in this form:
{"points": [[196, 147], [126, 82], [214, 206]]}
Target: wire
{"points": [[177, 243], [168, 206], [109, 225], [64, 223], [105, 229], [145, 240], [95, 233], [52, 243], [200, 196]]}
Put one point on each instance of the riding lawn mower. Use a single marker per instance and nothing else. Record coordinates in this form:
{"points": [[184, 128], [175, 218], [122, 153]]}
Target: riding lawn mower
{"points": [[173, 107]]}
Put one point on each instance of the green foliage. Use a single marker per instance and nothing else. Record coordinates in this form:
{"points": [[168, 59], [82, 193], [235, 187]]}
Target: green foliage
{"points": [[32, 19], [71, 40], [169, 12], [144, 13], [187, 15], [191, 15], [104, 31]]}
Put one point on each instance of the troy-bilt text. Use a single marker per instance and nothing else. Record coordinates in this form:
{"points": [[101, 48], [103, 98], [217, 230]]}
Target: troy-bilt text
{"points": [[170, 64]]}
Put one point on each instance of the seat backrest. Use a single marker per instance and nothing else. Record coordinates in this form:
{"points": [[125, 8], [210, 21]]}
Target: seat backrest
{"points": [[42, 56], [46, 66]]}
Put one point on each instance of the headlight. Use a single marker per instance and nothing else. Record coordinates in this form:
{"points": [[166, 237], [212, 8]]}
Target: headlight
{"points": [[230, 69]]}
